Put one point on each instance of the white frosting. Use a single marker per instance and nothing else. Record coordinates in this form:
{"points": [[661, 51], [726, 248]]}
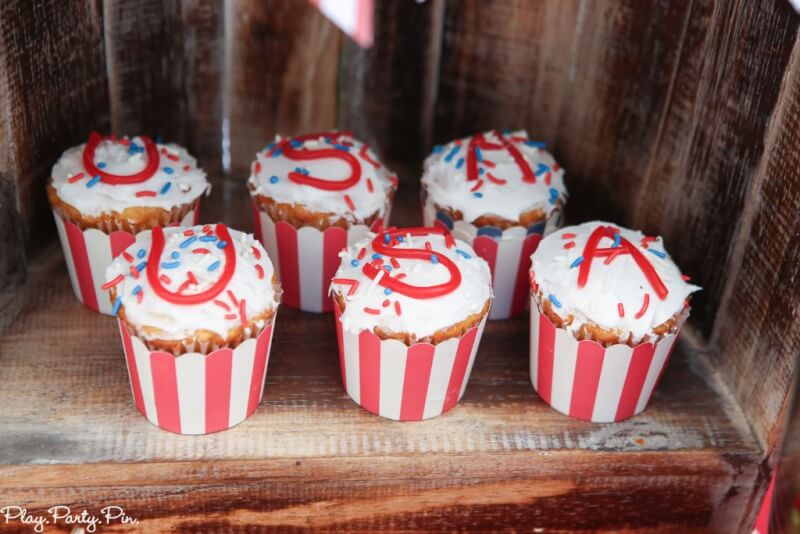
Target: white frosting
{"points": [[114, 157], [446, 180], [270, 177], [179, 321], [421, 317], [555, 268]]}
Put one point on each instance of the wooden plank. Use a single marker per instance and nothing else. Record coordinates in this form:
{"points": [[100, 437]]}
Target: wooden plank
{"points": [[165, 68], [387, 92], [53, 92], [507, 65], [712, 137], [282, 61]]}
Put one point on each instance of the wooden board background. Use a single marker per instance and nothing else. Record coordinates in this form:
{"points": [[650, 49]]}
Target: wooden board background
{"points": [[679, 117]]}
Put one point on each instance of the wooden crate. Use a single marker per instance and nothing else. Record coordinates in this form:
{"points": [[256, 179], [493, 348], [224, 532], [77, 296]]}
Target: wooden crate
{"points": [[676, 117]]}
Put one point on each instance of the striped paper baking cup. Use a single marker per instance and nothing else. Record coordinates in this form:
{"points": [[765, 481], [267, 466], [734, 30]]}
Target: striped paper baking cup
{"points": [[401, 382], [585, 380]]}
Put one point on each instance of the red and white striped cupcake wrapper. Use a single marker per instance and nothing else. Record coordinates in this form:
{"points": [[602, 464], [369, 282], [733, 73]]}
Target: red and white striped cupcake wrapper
{"points": [[89, 252], [196, 393], [585, 380], [305, 259], [393, 380], [508, 254]]}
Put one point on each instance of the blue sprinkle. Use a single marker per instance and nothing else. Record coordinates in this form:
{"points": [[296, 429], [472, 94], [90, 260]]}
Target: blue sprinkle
{"points": [[387, 267], [481, 170], [170, 265], [437, 149], [158, 139], [273, 179], [295, 143], [387, 238], [449, 157], [617, 240], [354, 263], [168, 170], [188, 241], [460, 163], [459, 251], [270, 147], [222, 244], [137, 290], [479, 154], [141, 266], [541, 169], [93, 181], [477, 194], [399, 239], [207, 238], [376, 256], [536, 144], [298, 170], [165, 188], [657, 253], [277, 152], [213, 266], [387, 291], [553, 195], [175, 255], [577, 262], [117, 304], [141, 253], [434, 259], [341, 147], [554, 300], [132, 149], [101, 165]]}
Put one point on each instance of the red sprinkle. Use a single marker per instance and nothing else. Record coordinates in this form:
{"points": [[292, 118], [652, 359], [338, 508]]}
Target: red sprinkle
{"points": [[222, 305], [165, 279], [125, 141], [547, 178], [230, 316], [190, 280], [556, 166], [127, 256], [476, 186], [186, 168], [386, 303], [347, 281], [621, 309], [427, 245], [685, 277], [350, 202], [256, 253], [200, 251], [569, 245], [395, 263], [495, 180], [188, 232], [206, 229], [449, 241], [242, 312], [568, 236], [362, 253], [397, 307], [489, 164], [75, 178], [134, 272], [370, 188], [260, 271], [146, 194], [111, 283], [400, 276], [173, 157], [372, 311], [233, 298], [258, 167], [645, 304], [139, 296]]}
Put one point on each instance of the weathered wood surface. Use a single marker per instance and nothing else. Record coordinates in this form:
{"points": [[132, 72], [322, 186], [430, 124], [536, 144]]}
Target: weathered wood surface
{"points": [[165, 72], [311, 457]]}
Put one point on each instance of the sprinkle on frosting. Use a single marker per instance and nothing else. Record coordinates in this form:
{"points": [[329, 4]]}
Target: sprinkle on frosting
{"points": [[519, 176], [327, 172], [412, 280], [200, 290], [111, 174], [607, 279]]}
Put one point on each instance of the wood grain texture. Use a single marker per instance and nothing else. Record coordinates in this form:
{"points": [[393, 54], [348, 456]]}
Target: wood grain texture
{"points": [[386, 93], [165, 66], [281, 68], [712, 137], [310, 457], [508, 65], [53, 92]]}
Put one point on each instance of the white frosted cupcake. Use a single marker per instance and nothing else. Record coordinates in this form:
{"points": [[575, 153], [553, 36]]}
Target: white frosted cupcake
{"points": [[606, 306], [501, 192], [411, 304]]}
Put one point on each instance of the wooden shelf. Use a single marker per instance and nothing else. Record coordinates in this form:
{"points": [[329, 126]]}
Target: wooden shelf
{"points": [[69, 433]]}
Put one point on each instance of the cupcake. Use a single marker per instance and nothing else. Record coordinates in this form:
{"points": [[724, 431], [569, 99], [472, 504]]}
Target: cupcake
{"points": [[607, 304], [500, 192], [311, 196], [105, 191], [410, 309], [196, 307]]}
